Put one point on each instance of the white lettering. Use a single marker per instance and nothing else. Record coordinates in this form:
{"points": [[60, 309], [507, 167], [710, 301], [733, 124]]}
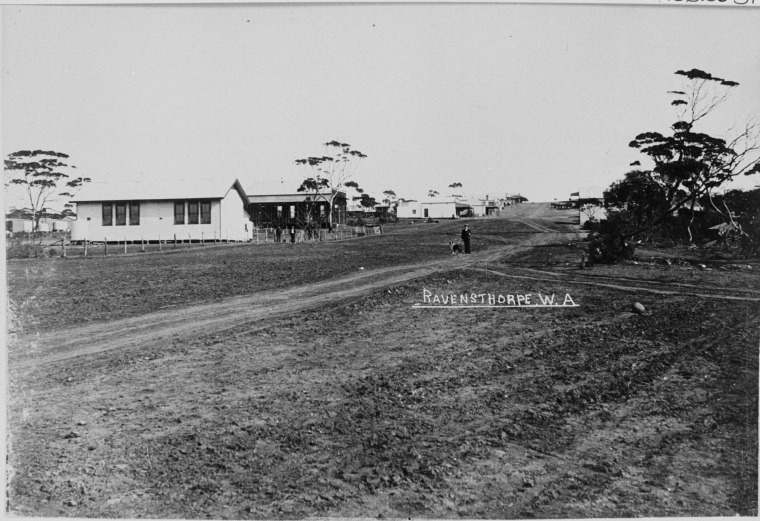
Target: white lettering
{"points": [[545, 300]]}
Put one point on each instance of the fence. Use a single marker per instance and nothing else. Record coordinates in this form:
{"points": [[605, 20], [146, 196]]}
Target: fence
{"points": [[89, 248]]}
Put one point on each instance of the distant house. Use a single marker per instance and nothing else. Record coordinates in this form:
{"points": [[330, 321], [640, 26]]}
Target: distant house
{"points": [[22, 221], [433, 208], [202, 210], [515, 199], [285, 209], [408, 210]]}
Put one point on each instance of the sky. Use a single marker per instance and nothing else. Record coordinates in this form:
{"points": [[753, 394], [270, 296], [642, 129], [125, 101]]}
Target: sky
{"points": [[536, 99]]}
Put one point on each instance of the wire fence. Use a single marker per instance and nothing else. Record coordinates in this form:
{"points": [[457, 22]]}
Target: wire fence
{"points": [[50, 247]]}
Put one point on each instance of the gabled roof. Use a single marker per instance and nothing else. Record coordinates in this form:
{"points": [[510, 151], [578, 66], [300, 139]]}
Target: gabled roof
{"points": [[166, 191]]}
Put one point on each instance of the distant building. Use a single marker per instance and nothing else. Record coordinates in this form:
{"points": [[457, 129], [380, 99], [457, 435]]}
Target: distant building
{"points": [[268, 211], [433, 208], [515, 199], [22, 221], [204, 210], [408, 209]]}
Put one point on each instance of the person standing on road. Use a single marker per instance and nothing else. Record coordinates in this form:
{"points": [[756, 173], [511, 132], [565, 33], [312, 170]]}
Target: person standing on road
{"points": [[278, 234], [292, 233], [466, 234]]}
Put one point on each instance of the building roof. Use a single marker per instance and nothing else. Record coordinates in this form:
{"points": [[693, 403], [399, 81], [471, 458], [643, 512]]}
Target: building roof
{"points": [[147, 191], [299, 197]]}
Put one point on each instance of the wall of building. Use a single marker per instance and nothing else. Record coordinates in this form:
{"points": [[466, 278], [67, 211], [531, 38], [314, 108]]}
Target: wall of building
{"points": [[157, 222], [410, 210], [439, 210], [235, 224]]}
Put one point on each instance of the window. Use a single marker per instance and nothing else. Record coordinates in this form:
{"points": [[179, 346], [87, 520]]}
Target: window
{"points": [[205, 212], [121, 214], [134, 213], [414, 212], [107, 214], [279, 212], [192, 212], [292, 211], [322, 210], [179, 213]]}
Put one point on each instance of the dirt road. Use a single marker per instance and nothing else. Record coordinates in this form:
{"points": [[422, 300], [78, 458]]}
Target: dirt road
{"points": [[188, 322]]}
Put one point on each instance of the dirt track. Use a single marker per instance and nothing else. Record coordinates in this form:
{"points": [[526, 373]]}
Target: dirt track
{"points": [[191, 321], [337, 398]]}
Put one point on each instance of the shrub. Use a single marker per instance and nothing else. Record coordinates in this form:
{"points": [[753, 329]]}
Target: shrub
{"points": [[605, 244], [26, 250]]}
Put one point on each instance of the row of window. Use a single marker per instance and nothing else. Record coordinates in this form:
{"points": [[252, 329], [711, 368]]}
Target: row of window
{"points": [[198, 212], [121, 214]]}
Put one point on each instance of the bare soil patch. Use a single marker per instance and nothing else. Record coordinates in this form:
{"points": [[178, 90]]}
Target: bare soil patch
{"points": [[365, 406]]}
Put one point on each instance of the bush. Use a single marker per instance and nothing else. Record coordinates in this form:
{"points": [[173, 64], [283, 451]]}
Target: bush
{"points": [[52, 252], [606, 246], [26, 250]]}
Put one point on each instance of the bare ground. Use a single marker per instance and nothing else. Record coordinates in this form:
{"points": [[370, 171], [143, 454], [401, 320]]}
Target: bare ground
{"points": [[338, 398]]}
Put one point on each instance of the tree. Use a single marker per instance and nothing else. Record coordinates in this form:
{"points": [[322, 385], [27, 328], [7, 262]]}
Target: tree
{"points": [[312, 186], [367, 201], [640, 196], [330, 172], [689, 164], [39, 174], [454, 186], [432, 193], [390, 197]]}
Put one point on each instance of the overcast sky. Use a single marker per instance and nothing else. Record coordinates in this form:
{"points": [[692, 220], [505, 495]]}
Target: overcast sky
{"points": [[537, 99]]}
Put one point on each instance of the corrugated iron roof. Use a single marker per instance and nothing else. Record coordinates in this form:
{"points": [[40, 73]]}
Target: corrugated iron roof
{"points": [[147, 191], [287, 198]]}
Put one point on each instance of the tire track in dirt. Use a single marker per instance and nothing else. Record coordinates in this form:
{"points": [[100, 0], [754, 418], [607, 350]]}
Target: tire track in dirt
{"points": [[189, 322], [624, 287]]}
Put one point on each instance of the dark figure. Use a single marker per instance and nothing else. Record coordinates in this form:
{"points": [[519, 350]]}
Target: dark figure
{"points": [[278, 234], [466, 234], [292, 234]]}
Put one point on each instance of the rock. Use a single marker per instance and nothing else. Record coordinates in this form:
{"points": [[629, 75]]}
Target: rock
{"points": [[71, 435], [638, 307], [70, 503], [361, 268], [81, 422]]}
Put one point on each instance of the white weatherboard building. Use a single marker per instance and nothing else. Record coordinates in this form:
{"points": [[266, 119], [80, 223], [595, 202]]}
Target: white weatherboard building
{"points": [[433, 208], [204, 210]]}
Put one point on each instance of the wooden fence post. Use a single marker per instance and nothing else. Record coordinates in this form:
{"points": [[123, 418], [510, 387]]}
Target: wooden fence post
{"points": [[85, 247], [203, 243], [105, 246], [175, 241], [142, 241], [159, 242], [63, 247]]}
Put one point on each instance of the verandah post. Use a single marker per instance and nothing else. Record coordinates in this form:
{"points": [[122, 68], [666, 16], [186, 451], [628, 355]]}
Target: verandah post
{"points": [[125, 244]]}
